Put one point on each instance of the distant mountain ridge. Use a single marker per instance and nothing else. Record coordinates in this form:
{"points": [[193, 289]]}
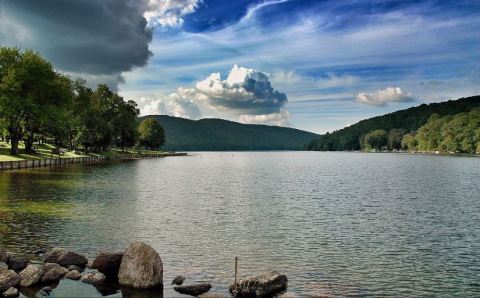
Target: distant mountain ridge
{"points": [[218, 134], [409, 119]]}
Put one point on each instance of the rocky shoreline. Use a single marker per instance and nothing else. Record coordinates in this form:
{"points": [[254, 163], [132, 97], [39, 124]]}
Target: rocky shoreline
{"points": [[136, 272]]}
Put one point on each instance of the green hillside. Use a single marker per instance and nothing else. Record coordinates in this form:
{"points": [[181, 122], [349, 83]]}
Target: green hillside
{"points": [[218, 134], [408, 120]]}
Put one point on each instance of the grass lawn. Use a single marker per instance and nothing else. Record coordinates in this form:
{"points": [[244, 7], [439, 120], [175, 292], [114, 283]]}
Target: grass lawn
{"points": [[44, 151]]}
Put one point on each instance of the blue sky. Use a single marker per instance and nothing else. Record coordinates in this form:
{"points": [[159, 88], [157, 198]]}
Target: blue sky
{"points": [[313, 65]]}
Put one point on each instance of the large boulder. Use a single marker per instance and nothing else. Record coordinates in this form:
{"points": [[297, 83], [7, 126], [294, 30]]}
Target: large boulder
{"points": [[8, 279], [31, 275], [17, 263], [141, 267], [11, 293], [108, 263], [263, 285], [193, 290], [53, 272], [93, 277], [65, 258]]}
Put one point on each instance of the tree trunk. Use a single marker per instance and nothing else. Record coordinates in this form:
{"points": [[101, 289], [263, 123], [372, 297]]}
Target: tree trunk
{"points": [[28, 143], [14, 147]]}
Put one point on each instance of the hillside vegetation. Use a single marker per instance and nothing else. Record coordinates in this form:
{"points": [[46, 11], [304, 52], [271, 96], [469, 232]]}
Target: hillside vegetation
{"points": [[218, 134], [388, 130]]}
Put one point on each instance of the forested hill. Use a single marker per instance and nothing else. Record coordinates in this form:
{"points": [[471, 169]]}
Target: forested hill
{"points": [[217, 134], [408, 120]]}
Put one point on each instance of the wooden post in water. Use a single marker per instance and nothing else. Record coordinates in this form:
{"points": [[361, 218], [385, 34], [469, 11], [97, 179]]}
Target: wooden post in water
{"points": [[235, 279]]}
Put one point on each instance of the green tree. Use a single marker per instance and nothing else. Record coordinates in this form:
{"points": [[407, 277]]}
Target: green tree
{"points": [[377, 139], [25, 85], [409, 142], [395, 138], [151, 134]]}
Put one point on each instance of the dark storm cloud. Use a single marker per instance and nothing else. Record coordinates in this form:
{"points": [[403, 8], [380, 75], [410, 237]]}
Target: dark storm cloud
{"points": [[92, 37]]}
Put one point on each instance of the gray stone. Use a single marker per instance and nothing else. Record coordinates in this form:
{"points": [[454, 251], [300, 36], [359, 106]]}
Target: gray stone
{"points": [[75, 267], [93, 277], [31, 275], [11, 293], [178, 280], [8, 279], [65, 258], [108, 263], [45, 291], [193, 290], [17, 263], [141, 267], [53, 272], [3, 266], [263, 285], [74, 275]]}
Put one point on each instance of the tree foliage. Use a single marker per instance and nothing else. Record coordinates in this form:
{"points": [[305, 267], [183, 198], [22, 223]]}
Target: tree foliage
{"points": [[36, 102], [151, 133]]}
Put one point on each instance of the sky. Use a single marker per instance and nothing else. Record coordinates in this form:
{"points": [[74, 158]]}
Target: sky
{"points": [[317, 65]]}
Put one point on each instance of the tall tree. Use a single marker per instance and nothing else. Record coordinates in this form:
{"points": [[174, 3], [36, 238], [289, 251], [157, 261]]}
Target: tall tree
{"points": [[151, 133]]}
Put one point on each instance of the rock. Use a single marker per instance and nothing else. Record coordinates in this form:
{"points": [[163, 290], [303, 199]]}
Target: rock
{"points": [[194, 290], [3, 266], [3, 256], [75, 267], [108, 263], [90, 264], [93, 277], [8, 279], [178, 280], [53, 272], [141, 267], [45, 291], [74, 275], [17, 263], [31, 275], [263, 285], [65, 258], [11, 293]]}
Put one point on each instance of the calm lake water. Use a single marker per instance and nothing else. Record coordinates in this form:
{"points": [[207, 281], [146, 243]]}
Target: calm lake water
{"points": [[334, 223]]}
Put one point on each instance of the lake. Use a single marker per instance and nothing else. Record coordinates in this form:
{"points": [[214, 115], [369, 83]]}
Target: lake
{"points": [[335, 223]]}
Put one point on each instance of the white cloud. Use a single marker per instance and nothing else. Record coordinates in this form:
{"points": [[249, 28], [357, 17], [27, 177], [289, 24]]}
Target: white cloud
{"points": [[280, 118], [178, 104], [382, 97], [169, 13]]}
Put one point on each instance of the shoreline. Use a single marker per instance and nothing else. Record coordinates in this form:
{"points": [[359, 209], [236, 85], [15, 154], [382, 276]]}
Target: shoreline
{"points": [[59, 161]]}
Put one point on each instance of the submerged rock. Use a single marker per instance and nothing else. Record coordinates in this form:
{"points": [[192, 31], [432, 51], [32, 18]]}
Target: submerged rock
{"points": [[11, 293], [31, 275], [8, 279], [3, 266], [17, 263], [141, 267], [3, 256], [108, 263], [178, 280], [65, 258], [262, 285], [53, 272], [45, 291], [93, 277], [73, 275], [194, 290]]}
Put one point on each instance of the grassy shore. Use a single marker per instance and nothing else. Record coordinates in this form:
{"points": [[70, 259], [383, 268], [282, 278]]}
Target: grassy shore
{"points": [[45, 151]]}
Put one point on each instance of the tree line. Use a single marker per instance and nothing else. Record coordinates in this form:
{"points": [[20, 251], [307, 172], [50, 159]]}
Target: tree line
{"points": [[458, 133], [403, 121], [39, 104]]}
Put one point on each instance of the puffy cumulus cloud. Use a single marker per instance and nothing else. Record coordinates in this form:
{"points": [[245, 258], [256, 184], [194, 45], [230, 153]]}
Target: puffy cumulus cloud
{"points": [[92, 37], [178, 104], [382, 97], [280, 118], [244, 91], [169, 12]]}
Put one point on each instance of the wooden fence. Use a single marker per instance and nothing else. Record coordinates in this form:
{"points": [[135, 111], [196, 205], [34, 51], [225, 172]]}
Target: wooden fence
{"points": [[61, 161]]}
